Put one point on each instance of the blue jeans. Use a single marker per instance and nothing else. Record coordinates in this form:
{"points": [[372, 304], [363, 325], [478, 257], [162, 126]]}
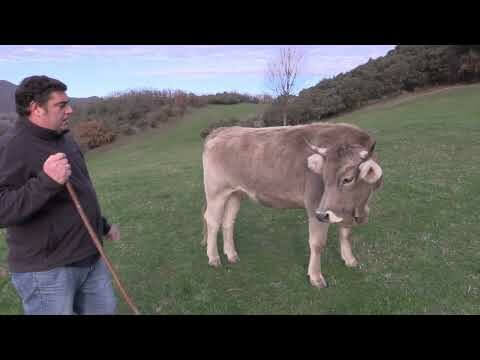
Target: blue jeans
{"points": [[67, 290]]}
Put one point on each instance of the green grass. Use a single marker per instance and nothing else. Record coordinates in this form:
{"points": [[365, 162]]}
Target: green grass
{"points": [[419, 253]]}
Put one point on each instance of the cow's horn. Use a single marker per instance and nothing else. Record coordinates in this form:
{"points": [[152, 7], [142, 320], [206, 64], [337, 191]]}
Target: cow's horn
{"points": [[318, 150]]}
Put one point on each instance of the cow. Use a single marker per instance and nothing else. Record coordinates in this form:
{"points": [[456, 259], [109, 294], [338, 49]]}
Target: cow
{"points": [[329, 169]]}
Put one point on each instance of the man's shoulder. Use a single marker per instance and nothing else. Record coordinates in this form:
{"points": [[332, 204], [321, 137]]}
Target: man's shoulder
{"points": [[68, 136], [70, 140]]}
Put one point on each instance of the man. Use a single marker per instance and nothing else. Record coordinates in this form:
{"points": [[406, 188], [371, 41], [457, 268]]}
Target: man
{"points": [[54, 264]]}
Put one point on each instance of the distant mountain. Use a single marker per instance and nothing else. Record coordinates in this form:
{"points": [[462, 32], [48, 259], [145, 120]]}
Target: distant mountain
{"points": [[7, 97], [85, 100]]}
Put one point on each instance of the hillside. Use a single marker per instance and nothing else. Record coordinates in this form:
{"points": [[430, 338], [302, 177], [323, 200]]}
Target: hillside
{"points": [[418, 254], [407, 68]]}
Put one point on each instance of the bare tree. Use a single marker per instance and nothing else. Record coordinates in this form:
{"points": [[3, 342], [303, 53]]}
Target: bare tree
{"points": [[282, 74]]}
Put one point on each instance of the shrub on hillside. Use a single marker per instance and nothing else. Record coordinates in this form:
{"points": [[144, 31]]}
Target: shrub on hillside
{"points": [[198, 101], [93, 133], [178, 110], [297, 113], [157, 117], [130, 130], [273, 116], [230, 98], [232, 121], [252, 121]]}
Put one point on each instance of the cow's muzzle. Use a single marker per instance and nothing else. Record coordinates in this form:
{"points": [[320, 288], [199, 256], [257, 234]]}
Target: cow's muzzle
{"points": [[322, 216], [327, 217]]}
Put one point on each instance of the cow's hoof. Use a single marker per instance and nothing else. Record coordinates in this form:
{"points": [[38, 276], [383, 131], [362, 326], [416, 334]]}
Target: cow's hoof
{"points": [[351, 263], [233, 259], [216, 262], [318, 283]]}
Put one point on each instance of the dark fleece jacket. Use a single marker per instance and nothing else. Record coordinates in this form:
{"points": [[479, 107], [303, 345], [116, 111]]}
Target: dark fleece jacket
{"points": [[44, 229]]}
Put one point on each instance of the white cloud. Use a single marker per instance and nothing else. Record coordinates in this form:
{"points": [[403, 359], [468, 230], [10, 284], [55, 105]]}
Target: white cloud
{"points": [[153, 64]]}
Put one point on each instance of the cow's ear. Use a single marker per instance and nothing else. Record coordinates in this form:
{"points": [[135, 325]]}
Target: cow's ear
{"points": [[315, 163], [370, 171]]}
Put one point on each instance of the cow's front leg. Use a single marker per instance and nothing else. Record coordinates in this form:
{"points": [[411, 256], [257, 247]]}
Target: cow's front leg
{"points": [[346, 247], [317, 240]]}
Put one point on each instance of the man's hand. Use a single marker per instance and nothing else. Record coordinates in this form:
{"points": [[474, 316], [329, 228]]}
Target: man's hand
{"points": [[57, 168], [114, 233]]}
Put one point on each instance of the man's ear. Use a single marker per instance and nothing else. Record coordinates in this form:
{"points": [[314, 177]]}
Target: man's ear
{"points": [[315, 163], [32, 106], [35, 108]]}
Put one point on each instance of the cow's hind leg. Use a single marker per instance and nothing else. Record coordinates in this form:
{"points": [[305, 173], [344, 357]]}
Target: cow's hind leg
{"points": [[231, 211], [317, 240], [205, 230], [346, 247], [213, 218]]}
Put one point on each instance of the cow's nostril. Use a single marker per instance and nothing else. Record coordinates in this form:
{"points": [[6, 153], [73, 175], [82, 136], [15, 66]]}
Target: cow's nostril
{"points": [[322, 216]]}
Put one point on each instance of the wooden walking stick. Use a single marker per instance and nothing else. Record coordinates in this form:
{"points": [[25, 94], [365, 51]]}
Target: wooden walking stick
{"points": [[94, 237]]}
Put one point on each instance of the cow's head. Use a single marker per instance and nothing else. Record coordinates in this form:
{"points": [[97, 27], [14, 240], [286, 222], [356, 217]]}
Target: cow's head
{"points": [[350, 175]]}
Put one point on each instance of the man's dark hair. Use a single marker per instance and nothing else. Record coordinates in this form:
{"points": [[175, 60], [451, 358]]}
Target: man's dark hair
{"points": [[37, 89]]}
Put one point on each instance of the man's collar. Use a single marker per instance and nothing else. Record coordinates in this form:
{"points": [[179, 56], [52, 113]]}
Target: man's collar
{"points": [[40, 132]]}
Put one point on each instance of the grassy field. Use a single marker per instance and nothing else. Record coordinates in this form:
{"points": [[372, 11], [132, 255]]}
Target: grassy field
{"points": [[419, 254]]}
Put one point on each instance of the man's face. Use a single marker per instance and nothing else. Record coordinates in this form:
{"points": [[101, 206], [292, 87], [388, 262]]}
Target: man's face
{"points": [[55, 113]]}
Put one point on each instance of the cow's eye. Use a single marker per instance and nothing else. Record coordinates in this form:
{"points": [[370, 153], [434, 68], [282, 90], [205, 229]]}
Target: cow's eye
{"points": [[347, 180]]}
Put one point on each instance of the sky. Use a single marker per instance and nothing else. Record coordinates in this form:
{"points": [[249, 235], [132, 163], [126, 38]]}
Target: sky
{"points": [[102, 70]]}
